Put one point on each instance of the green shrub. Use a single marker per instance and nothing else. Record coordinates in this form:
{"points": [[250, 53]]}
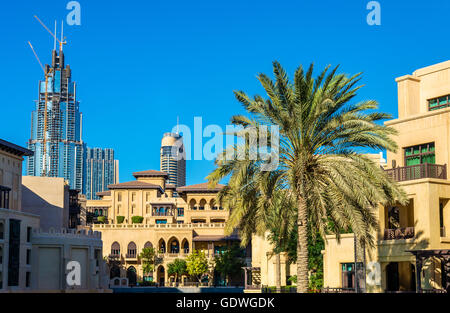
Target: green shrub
{"points": [[101, 219], [137, 219], [120, 219]]}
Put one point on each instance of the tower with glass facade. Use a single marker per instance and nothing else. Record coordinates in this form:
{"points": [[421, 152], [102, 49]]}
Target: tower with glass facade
{"points": [[101, 170], [56, 127], [172, 158]]}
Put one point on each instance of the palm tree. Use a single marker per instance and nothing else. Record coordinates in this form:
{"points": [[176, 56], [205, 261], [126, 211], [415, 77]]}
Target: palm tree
{"points": [[280, 222], [321, 132]]}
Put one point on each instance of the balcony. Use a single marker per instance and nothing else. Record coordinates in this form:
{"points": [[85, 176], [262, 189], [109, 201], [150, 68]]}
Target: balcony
{"points": [[399, 233], [425, 170]]}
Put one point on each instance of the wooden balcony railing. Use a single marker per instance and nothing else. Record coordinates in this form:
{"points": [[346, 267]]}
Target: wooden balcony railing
{"points": [[399, 233], [418, 171]]}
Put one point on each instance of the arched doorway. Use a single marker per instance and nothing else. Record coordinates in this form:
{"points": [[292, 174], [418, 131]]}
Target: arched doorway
{"points": [[174, 245], [131, 275], [392, 277], [160, 276]]}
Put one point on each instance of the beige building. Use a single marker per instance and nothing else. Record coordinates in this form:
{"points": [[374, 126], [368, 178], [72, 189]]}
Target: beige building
{"points": [[145, 213], [262, 271], [422, 226], [33, 259], [47, 197]]}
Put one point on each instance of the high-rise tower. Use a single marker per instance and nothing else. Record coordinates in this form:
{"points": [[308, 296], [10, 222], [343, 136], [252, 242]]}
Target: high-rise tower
{"points": [[173, 160], [56, 127], [101, 170]]}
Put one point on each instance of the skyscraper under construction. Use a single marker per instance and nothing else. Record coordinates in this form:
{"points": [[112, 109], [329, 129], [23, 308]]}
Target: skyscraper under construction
{"points": [[56, 127]]}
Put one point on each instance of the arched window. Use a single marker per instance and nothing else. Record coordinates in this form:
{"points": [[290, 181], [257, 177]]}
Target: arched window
{"points": [[185, 246], [174, 245], [162, 246], [115, 249], [202, 204], [192, 204], [148, 244], [131, 251]]}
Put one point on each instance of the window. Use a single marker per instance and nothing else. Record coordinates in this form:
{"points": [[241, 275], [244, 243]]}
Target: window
{"points": [[115, 249], [161, 221], [28, 256], [29, 234], [420, 154], [348, 274], [131, 253], [28, 279], [439, 103], [147, 209], [2, 230], [4, 197], [119, 196], [1, 257], [180, 211], [133, 196]]}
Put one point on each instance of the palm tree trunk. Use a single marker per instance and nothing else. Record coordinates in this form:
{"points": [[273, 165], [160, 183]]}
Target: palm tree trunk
{"points": [[278, 272], [302, 247]]}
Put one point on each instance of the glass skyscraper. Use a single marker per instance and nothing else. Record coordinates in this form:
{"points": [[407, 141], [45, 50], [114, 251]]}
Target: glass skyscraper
{"points": [[173, 159], [56, 136], [101, 170]]}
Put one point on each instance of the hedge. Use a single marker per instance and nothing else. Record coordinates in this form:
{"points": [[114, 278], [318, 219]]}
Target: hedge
{"points": [[120, 219], [137, 219], [101, 219]]}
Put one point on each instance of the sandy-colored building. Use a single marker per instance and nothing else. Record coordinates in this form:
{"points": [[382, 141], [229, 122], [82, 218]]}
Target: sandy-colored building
{"points": [[47, 197], [412, 252], [33, 259], [262, 271], [145, 213]]}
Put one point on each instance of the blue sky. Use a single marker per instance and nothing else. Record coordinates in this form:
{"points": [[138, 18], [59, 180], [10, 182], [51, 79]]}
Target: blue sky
{"points": [[140, 64]]}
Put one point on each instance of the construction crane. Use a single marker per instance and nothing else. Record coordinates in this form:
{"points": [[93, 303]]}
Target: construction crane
{"points": [[47, 74], [63, 39]]}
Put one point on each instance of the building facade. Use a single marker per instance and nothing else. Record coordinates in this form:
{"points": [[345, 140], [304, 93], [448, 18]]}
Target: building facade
{"points": [[173, 160], [174, 226], [33, 259], [56, 127], [412, 252], [101, 170]]}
